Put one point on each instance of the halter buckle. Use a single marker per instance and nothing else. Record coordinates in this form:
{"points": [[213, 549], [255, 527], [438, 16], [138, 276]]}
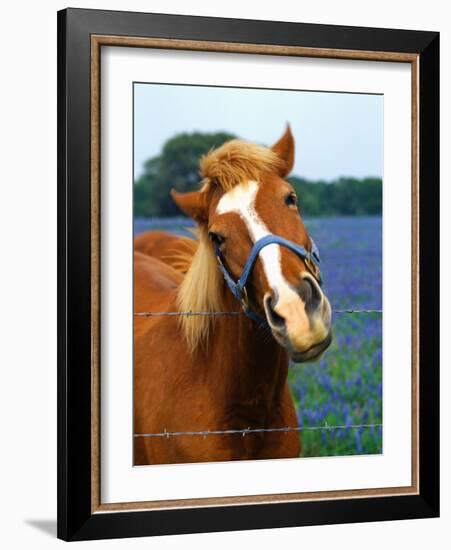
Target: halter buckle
{"points": [[313, 268]]}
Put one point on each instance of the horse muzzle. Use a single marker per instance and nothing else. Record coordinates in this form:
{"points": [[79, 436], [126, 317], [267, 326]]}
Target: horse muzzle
{"points": [[301, 319]]}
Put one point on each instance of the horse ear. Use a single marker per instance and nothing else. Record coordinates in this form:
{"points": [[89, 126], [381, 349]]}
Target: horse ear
{"points": [[284, 149], [193, 204]]}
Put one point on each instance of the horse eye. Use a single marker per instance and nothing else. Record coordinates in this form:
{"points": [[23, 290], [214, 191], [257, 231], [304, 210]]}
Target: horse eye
{"points": [[291, 199], [217, 239]]}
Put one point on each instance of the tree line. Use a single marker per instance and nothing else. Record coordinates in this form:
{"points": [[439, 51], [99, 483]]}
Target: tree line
{"points": [[178, 164]]}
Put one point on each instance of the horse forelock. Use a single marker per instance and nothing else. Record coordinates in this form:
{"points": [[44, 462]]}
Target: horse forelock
{"points": [[236, 162]]}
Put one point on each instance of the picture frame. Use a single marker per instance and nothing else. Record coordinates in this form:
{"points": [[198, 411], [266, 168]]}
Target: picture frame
{"points": [[81, 36]]}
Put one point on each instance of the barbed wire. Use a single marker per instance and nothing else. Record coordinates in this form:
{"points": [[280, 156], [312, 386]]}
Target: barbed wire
{"points": [[246, 431], [229, 313]]}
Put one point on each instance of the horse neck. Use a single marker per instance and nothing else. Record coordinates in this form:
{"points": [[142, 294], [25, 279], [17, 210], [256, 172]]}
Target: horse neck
{"points": [[245, 363]]}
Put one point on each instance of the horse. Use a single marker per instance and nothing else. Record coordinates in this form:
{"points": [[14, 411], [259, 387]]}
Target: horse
{"points": [[227, 374]]}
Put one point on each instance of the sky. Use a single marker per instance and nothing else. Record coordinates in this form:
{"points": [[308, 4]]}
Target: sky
{"points": [[336, 134]]}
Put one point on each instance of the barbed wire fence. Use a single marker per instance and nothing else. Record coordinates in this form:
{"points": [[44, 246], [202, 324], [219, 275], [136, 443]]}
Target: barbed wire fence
{"points": [[248, 431], [229, 313]]}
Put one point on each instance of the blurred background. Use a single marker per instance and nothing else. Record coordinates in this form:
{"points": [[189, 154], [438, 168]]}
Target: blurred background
{"points": [[338, 179]]}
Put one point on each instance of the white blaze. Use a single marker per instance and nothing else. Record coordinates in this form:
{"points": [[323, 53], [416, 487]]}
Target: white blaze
{"points": [[241, 200]]}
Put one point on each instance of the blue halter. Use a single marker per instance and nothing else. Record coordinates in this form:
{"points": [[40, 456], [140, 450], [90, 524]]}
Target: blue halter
{"points": [[238, 288]]}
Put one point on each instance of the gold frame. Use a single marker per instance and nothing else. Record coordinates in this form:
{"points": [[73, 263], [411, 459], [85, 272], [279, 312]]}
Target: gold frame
{"points": [[97, 41]]}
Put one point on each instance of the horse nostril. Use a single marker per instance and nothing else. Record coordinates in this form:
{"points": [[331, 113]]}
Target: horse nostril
{"points": [[274, 318], [310, 293]]}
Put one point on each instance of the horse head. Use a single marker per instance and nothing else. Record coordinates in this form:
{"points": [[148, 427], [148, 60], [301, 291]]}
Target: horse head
{"points": [[251, 216]]}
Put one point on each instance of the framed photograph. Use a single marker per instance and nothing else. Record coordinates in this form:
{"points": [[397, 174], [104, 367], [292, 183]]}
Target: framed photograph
{"points": [[248, 274]]}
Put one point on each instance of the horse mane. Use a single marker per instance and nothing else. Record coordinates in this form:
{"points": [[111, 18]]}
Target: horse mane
{"points": [[200, 292], [235, 162]]}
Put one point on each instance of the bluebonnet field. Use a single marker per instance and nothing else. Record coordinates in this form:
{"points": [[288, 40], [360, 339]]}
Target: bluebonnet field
{"points": [[345, 387]]}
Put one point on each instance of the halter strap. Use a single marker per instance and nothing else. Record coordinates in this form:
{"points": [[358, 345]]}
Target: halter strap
{"points": [[238, 288]]}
